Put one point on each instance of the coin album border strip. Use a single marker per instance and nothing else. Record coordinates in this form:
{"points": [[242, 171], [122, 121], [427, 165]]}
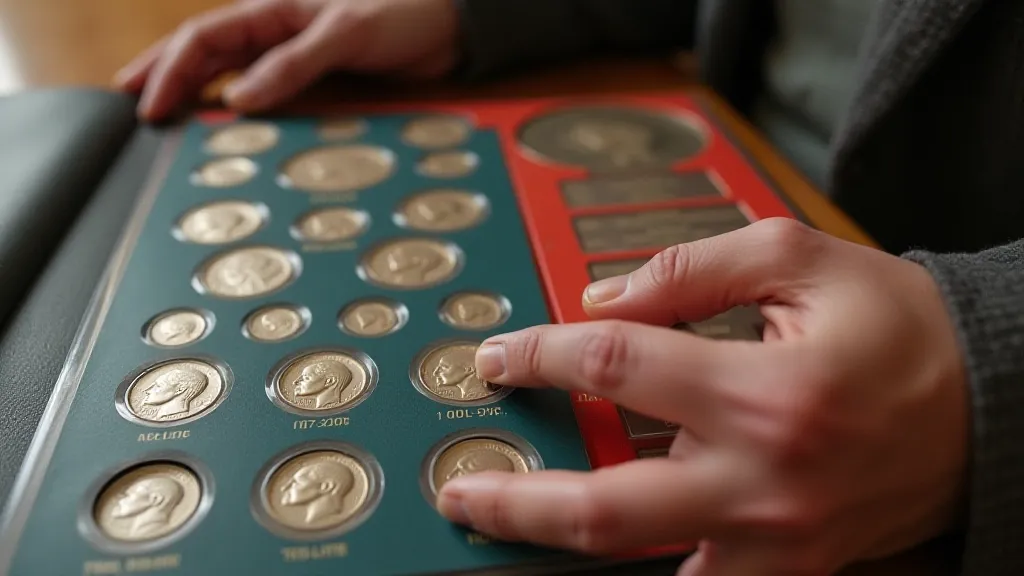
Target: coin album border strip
{"points": [[563, 268]]}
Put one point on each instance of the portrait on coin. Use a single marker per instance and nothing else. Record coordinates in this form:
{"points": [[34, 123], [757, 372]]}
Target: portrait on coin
{"points": [[213, 226], [173, 392], [176, 329], [324, 381], [149, 503], [321, 487], [413, 263], [455, 375], [480, 460]]}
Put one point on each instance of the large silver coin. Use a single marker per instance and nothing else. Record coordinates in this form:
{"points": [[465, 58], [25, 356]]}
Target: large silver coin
{"points": [[343, 168], [610, 138], [248, 272], [243, 138]]}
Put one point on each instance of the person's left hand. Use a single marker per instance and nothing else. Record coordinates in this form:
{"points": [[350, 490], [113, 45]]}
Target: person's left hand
{"points": [[843, 436]]}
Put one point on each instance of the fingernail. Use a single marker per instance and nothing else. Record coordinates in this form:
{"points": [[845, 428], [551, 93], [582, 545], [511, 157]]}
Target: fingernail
{"points": [[452, 508], [606, 290], [490, 360]]}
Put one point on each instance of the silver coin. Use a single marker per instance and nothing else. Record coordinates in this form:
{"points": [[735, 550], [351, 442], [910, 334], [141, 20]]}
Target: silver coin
{"points": [[177, 328], [610, 138], [226, 172], [344, 168], [221, 222], [336, 224], [276, 323], [243, 138], [438, 131], [448, 164], [248, 272], [343, 128]]}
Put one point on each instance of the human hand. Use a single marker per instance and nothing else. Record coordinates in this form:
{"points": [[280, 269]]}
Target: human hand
{"points": [[841, 437], [287, 45]]}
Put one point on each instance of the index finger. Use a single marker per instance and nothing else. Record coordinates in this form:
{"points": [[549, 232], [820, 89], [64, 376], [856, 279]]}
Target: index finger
{"points": [[663, 373]]}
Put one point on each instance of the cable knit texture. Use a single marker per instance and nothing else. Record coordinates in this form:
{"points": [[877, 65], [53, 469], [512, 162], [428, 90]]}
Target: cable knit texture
{"points": [[930, 159]]}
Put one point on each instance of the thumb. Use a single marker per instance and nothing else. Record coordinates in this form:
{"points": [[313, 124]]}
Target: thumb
{"points": [[770, 260]]}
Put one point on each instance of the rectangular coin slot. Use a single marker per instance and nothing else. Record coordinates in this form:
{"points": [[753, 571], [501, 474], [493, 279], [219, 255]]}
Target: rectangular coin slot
{"points": [[655, 228], [640, 426], [602, 270], [638, 189]]}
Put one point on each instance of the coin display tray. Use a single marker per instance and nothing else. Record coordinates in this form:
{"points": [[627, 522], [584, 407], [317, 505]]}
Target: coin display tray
{"points": [[553, 224]]}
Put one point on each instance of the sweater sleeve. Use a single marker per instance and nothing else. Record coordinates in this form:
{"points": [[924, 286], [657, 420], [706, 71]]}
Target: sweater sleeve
{"points": [[498, 35], [984, 293]]}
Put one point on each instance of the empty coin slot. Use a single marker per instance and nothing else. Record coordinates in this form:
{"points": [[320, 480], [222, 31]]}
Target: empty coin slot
{"points": [[638, 189], [654, 229]]}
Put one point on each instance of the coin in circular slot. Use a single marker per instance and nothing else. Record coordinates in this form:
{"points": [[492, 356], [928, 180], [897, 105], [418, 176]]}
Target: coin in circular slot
{"points": [[474, 451], [343, 128], [317, 490], [334, 224], [612, 138], [323, 381], [443, 210], [276, 323], [178, 327], [341, 168], [221, 222], [225, 172], [248, 272], [148, 502], [448, 164], [475, 310], [436, 131], [446, 372], [410, 263], [373, 317], [173, 392], [243, 138]]}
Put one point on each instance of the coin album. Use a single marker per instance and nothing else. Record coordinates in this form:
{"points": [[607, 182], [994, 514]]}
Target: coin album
{"points": [[276, 374]]}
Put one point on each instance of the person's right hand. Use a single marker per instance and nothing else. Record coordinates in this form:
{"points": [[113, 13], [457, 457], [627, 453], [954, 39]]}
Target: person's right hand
{"points": [[286, 45]]}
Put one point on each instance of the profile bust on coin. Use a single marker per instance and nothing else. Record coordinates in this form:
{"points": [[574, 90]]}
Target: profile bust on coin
{"points": [[319, 491], [411, 263], [473, 455], [147, 503], [449, 372], [174, 391], [320, 381], [474, 311], [177, 328], [248, 272]]}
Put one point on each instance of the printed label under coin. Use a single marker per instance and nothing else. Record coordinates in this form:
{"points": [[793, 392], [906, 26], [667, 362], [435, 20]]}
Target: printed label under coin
{"points": [[331, 225], [177, 328], [452, 164], [411, 263], [322, 381], [339, 168], [449, 372], [245, 138], [373, 318], [226, 172], [274, 323], [443, 210], [148, 502], [317, 491], [477, 455], [174, 391], [474, 311], [436, 132], [248, 272], [221, 222]]}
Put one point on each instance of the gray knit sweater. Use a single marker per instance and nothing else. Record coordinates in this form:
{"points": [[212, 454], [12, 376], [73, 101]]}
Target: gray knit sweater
{"points": [[929, 159]]}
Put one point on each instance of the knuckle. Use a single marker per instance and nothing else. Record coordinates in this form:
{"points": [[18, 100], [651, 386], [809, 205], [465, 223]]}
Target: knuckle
{"points": [[604, 356], [669, 267]]}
